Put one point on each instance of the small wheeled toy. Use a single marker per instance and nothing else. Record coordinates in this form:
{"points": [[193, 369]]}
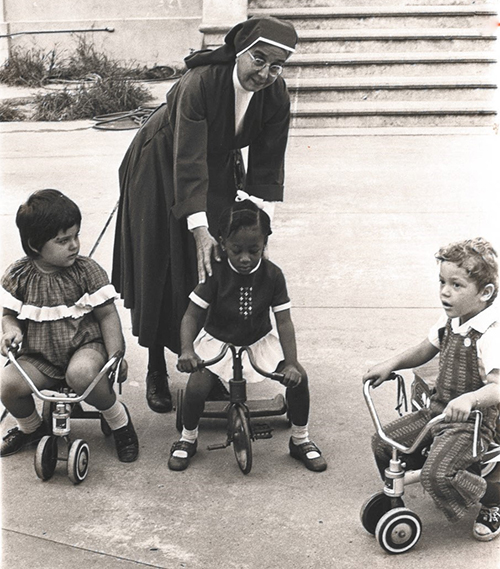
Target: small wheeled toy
{"points": [[235, 407], [397, 528], [57, 411]]}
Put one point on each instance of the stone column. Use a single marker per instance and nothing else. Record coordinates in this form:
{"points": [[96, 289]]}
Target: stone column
{"points": [[4, 30]]}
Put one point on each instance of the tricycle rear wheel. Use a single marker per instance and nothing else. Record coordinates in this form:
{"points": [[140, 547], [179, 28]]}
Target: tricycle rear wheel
{"points": [[375, 507]]}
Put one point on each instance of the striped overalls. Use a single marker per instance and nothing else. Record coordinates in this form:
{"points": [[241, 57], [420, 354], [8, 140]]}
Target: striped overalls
{"points": [[450, 474]]}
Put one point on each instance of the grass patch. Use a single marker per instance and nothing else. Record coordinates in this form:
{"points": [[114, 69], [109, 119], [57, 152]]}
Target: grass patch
{"points": [[97, 84], [29, 68], [100, 97], [9, 112], [35, 68]]}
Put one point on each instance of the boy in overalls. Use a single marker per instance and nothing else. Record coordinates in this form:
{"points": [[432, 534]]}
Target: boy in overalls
{"points": [[468, 339]]}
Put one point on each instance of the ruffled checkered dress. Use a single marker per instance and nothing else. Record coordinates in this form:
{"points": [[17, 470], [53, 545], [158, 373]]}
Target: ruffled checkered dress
{"points": [[56, 310]]}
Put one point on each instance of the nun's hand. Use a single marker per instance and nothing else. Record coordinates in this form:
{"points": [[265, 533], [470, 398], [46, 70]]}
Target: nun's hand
{"points": [[206, 246]]}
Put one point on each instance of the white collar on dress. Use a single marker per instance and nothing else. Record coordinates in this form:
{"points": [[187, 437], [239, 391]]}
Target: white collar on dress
{"points": [[236, 270], [481, 322]]}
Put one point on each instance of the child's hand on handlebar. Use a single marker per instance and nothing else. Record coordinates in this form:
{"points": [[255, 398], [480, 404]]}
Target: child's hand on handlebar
{"points": [[377, 374], [188, 362], [10, 340], [291, 376], [459, 409]]}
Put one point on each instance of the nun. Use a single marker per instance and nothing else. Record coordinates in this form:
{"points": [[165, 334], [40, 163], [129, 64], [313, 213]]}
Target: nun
{"points": [[184, 167]]}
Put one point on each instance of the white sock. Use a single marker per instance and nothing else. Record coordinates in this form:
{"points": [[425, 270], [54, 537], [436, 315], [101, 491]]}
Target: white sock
{"points": [[29, 424], [188, 436], [116, 416], [300, 435]]}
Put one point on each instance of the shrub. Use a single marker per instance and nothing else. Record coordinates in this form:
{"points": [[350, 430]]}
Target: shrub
{"points": [[88, 100], [9, 112]]}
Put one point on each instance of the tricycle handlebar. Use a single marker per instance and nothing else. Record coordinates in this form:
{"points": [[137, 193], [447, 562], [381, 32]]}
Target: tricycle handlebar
{"points": [[238, 351], [423, 433], [113, 362]]}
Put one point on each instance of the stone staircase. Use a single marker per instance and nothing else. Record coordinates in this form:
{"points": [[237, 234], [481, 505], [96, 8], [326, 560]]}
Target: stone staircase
{"points": [[414, 63]]}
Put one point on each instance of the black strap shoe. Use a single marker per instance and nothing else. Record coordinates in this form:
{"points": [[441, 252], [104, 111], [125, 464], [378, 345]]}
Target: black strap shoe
{"points": [[126, 441], [300, 452], [157, 392], [186, 450]]}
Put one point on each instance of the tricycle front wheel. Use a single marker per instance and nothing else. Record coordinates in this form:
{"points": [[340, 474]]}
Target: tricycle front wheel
{"points": [[398, 530], [46, 457], [239, 431]]}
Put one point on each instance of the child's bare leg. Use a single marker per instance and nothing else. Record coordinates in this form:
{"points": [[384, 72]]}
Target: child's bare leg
{"points": [[18, 399], [199, 385], [16, 394], [298, 400], [300, 445], [83, 367]]}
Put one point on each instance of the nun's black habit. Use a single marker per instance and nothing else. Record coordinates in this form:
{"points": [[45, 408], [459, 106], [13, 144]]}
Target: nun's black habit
{"points": [[182, 161]]}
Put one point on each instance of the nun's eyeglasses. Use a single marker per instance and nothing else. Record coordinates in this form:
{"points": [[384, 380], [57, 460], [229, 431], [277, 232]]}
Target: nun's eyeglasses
{"points": [[259, 63]]}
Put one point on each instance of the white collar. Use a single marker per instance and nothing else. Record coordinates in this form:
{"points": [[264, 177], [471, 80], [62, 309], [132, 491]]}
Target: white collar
{"points": [[236, 270], [481, 322]]}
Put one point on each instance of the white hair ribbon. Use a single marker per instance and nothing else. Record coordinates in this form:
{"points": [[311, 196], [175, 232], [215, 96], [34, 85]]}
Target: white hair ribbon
{"points": [[268, 207]]}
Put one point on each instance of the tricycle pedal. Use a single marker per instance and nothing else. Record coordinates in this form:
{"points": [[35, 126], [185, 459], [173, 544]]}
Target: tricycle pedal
{"points": [[262, 431], [218, 446]]}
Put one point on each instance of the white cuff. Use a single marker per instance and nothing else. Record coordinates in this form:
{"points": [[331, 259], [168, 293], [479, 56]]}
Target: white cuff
{"points": [[198, 219]]}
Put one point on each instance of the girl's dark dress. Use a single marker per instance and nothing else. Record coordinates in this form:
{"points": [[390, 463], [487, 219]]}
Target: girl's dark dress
{"points": [[182, 161]]}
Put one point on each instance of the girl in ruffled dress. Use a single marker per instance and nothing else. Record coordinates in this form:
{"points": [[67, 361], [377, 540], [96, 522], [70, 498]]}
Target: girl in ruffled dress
{"points": [[59, 312]]}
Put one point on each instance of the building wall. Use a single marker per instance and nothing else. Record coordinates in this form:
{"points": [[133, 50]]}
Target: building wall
{"points": [[148, 32]]}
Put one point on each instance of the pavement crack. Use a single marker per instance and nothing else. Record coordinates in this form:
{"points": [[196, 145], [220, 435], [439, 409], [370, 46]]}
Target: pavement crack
{"points": [[85, 549]]}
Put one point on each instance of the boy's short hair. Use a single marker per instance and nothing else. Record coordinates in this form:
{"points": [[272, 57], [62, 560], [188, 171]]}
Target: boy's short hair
{"points": [[42, 216], [477, 257]]}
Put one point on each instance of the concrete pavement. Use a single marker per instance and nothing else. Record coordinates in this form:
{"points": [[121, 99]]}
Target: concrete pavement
{"points": [[355, 237]]}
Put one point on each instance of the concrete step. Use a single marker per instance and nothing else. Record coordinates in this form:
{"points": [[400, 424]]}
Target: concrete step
{"points": [[403, 114], [273, 4], [330, 90], [399, 40], [384, 64], [395, 17]]}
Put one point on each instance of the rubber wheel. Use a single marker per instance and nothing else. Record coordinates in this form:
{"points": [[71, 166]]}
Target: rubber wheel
{"points": [[105, 428], [78, 461], [178, 410], [240, 437], [398, 530], [488, 468], [374, 508], [46, 457]]}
